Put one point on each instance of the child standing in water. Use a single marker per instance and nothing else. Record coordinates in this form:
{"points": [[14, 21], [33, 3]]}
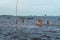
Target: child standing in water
{"points": [[39, 22], [47, 22]]}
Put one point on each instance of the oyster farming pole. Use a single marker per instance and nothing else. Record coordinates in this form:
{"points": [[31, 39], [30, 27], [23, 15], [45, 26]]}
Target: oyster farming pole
{"points": [[16, 12]]}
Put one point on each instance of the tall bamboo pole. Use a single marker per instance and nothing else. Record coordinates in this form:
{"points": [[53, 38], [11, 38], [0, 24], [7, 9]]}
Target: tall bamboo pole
{"points": [[16, 12]]}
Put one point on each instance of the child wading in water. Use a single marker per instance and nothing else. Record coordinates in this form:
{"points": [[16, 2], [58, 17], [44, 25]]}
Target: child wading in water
{"points": [[47, 22], [39, 22]]}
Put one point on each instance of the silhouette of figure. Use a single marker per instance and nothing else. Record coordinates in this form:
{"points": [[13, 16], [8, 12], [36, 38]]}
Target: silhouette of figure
{"points": [[47, 22]]}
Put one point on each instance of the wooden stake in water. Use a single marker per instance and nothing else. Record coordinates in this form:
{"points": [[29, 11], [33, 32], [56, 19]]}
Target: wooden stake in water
{"points": [[16, 12]]}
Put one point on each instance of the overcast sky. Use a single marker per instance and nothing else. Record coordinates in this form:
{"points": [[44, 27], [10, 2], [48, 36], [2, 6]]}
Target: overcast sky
{"points": [[30, 7]]}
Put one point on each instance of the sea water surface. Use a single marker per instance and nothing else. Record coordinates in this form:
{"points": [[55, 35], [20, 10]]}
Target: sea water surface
{"points": [[29, 30]]}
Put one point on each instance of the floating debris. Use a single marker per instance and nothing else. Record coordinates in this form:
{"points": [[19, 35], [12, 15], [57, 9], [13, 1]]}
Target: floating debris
{"points": [[30, 18], [36, 39], [58, 19], [8, 17], [22, 17]]}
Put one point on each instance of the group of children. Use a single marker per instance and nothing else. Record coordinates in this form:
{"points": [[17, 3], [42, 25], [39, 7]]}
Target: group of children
{"points": [[39, 22]]}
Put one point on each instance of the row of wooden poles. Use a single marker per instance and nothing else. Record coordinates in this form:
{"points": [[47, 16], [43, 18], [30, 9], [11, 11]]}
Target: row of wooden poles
{"points": [[39, 20]]}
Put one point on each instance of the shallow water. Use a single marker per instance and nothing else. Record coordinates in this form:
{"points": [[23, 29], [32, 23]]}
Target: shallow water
{"points": [[29, 31]]}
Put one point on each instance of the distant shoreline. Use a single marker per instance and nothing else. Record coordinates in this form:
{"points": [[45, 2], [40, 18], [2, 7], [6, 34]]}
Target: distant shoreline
{"points": [[31, 16]]}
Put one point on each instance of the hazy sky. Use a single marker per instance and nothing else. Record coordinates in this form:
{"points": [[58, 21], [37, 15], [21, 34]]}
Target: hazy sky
{"points": [[30, 7]]}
